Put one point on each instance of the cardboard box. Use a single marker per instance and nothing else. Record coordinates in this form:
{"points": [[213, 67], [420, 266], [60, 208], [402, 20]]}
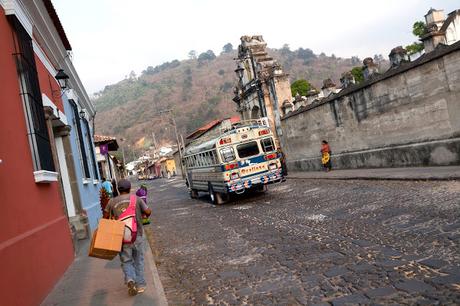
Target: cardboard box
{"points": [[107, 239]]}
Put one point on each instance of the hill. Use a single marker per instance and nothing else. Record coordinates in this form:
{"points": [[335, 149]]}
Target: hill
{"points": [[198, 90]]}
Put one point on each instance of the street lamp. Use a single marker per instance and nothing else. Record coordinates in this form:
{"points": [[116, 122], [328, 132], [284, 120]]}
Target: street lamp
{"points": [[239, 72], [62, 78]]}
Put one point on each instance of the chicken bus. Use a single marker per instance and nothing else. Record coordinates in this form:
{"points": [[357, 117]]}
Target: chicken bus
{"points": [[238, 158]]}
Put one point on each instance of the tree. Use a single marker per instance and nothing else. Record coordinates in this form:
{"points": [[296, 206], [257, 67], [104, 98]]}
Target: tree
{"points": [[227, 48], [206, 56], [301, 87], [357, 73], [285, 49], [132, 75], [305, 54], [149, 71], [355, 60], [192, 54], [419, 29], [414, 48]]}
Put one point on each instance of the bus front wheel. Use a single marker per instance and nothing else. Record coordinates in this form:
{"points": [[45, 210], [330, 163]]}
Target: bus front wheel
{"points": [[193, 193]]}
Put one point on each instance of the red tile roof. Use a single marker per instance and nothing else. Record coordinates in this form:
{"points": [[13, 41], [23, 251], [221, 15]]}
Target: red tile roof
{"points": [[200, 131], [102, 138]]}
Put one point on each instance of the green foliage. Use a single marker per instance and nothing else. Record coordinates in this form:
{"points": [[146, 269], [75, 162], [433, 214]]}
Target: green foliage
{"points": [[419, 29], [226, 87], [357, 73], [228, 48], [355, 60], [192, 54], [306, 55], [206, 56], [301, 87], [119, 94], [203, 114], [414, 48], [168, 65]]}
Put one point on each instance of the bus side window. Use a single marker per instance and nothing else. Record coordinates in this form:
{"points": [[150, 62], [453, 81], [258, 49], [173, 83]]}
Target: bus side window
{"points": [[203, 156], [194, 161], [267, 145], [227, 154]]}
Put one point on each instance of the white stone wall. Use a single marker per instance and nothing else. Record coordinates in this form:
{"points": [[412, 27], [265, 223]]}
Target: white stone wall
{"points": [[419, 105]]}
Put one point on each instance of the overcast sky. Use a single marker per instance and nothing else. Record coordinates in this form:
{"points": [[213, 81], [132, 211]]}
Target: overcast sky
{"points": [[110, 38]]}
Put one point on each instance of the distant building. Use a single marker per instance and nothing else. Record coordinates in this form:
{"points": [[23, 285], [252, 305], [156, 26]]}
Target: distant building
{"points": [[263, 87], [108, 165], [441, 30]]}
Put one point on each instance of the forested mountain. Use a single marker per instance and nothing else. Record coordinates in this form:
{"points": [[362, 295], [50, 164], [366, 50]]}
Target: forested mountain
{"points": [[198, 90]]}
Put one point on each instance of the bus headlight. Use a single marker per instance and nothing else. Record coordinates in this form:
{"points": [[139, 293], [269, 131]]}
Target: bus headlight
{"points": [[272, 166]]}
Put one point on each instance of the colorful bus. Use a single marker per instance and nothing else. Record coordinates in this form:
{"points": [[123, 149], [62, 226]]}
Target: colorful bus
{"points": [[232, 160]]}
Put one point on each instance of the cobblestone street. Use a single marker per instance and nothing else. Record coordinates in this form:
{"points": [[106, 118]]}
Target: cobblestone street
{"points": [[310, 242]]}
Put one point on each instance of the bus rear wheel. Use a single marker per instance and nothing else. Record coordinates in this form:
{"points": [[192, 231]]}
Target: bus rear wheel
{"points": [[215, 197]]}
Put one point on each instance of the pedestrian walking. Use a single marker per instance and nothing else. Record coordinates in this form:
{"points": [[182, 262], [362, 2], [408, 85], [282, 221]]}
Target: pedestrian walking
{"points": [[107, 186], [129, 208], [142, 193], [326, 156]]}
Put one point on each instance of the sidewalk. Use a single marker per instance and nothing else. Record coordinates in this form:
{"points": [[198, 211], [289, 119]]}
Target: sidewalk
{"points": [[92, 281], [408, 174]]}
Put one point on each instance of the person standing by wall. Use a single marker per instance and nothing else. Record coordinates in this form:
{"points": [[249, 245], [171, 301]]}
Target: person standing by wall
{"points": [[132, 253], [115, 188], [326, 156]]}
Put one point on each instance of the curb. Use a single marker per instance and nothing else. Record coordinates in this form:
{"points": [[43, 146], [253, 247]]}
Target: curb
{"points": [[156, 277], [453, 178]]}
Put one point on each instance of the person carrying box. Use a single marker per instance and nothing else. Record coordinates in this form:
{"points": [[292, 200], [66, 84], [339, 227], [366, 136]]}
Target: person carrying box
{"points": [[129, 209]]}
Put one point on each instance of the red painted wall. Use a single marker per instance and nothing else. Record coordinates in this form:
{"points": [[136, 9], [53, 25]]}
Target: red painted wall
{"points": [[49, 85], [35, 243]]}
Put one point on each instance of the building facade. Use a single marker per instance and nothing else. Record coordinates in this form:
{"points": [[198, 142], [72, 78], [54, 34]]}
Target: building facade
{"points": [[38, 173], [263, 87], [84, 175]]}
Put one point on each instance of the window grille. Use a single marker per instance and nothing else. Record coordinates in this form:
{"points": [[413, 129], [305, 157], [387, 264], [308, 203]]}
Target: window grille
{"points": [[91, 149], [80, 141], [31, 95]]}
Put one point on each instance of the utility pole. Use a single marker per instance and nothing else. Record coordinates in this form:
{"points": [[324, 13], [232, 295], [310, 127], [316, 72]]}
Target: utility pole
{"points": [[124, 159], [173, 122]]}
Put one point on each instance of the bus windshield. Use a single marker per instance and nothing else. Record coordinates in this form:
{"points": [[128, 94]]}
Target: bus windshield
{"points": [[248, 149]]}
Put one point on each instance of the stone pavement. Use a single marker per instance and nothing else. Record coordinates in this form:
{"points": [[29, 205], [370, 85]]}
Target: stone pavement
{"points": [[93, 281], [406, 174], [311, 242]]}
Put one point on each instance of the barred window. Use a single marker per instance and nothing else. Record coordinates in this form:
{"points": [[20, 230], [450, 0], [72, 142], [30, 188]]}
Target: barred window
{"points": [[30, 92], [80, 139], [91, 149]]}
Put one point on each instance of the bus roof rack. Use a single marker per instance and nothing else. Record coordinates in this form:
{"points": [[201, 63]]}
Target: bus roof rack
{"points": [[228, 126]]}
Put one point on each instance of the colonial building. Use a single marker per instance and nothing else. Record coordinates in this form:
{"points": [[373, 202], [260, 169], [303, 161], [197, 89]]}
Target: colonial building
{"points": [[440, 30], [108, 165], [39, 168], [263, 88]]}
